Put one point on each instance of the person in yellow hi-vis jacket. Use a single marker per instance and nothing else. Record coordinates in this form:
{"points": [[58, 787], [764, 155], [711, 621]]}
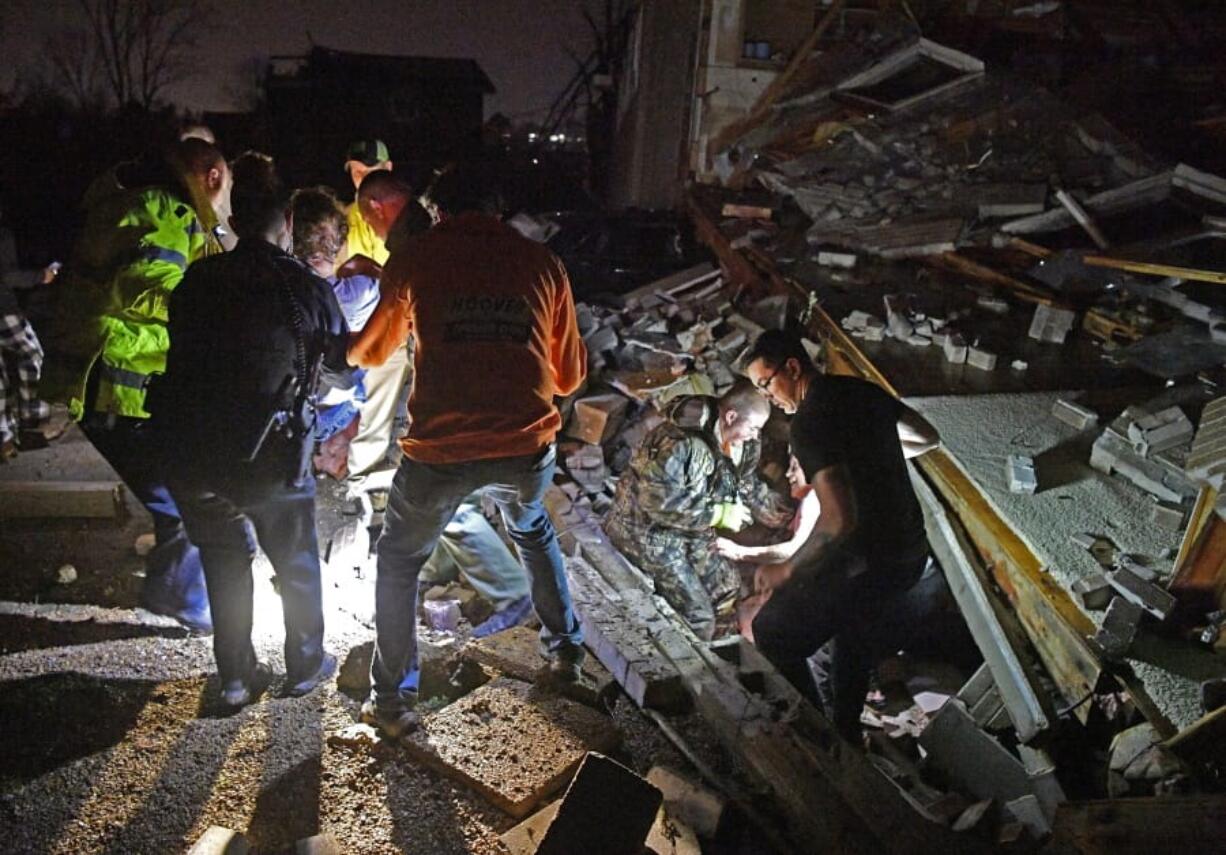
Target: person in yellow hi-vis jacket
{"points": [[145, 222]]}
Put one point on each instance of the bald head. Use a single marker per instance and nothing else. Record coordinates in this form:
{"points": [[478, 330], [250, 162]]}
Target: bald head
{"points": [[381, 198], [203, 167]]}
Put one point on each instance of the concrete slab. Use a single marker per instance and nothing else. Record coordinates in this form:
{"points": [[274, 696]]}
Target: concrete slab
{"points": [[510, 742], [516, 653], [607, 810]]}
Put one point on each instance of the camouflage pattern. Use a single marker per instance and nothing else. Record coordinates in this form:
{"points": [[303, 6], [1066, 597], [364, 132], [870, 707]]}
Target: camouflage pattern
{"points": [[661, 515]]}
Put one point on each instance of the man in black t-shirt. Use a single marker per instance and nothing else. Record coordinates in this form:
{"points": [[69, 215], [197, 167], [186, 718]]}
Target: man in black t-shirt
{"points": [[868, 548]]}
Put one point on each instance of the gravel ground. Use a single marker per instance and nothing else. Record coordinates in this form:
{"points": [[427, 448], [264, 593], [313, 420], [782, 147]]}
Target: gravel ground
{"points": [[109, 735]]}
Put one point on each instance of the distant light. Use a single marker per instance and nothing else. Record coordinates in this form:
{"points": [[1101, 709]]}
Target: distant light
{"points": [[535, 161], [531, 136]]}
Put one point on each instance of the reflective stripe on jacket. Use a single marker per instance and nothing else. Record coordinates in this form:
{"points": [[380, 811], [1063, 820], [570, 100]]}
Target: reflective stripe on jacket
{"points": [[132, 254]]}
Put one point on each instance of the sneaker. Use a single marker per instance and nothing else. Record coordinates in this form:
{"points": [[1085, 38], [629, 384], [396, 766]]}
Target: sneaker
{"points": [[393, 723], [512, 615], [327, 667], [237, 695]]}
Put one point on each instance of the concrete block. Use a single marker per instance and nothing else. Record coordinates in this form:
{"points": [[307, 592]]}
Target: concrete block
{"points": [[596, 418], [1094, 592], [220, 841], [955, 349], [1019, 365], [1119, 628], [319, 844], [601, 340], [1146, 595], [857, 320], [971, 758], [770, 313], [1019, 474], [973, 816], [874, 330], [670, 836], [1074, 415], [995, 305], [845, 260], [984, 360], [511, 743], [693, 804], [607, 810], [1051, 324], [731, 343], [1029, 813], [515, 652], [1160, 431]]}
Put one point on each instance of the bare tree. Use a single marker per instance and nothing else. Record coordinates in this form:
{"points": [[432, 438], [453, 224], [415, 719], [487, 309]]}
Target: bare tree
{"points": [[130, 49], [74, 66]]}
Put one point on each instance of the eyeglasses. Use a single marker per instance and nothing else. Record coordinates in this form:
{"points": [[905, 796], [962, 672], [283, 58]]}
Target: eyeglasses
{"points": [[764, 385]]}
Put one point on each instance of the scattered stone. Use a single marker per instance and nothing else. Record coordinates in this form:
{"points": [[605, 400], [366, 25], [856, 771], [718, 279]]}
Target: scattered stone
{"points": [[696, 806], [1051, 324], [984, 360], [513, 744], [144, 544], [955, 349], [1093, 591], [1138, 756], [66, 575], [220, 841], [1168, 516], [1129, 585], [1020, 475], [1119, 628], [1019, 365], [1074, 415], [1160, 431], [355, 737]]}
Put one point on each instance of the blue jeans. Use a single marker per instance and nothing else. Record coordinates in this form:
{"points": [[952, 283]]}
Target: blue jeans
{"points": [[226, 519], [423, 500], [470, 547]]}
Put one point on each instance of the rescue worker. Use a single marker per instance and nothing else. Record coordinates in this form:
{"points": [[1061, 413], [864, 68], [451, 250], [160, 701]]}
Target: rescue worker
{"points": [[385, 384], [145, 223], [696, 472], [235, 410], [496, 341], [868, 548]]}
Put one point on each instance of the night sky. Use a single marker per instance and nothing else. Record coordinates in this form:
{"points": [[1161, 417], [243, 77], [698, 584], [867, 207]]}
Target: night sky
{"points": [[521, 44]]}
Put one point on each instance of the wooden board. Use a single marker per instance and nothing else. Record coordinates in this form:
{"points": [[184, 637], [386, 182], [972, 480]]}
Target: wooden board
{"points": [[1142, 826]]}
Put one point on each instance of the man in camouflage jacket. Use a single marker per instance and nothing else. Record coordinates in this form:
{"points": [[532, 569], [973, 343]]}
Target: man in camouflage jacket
{"points": [[695, 472]]}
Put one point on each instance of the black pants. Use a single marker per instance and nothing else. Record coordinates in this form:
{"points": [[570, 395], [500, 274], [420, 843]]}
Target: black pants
{"points": [[225, 520], [858, 614]]}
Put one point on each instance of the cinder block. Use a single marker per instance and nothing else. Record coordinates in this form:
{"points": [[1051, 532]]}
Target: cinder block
{"points": [[1074, 415], [1019, 473], [595, 419], [984, 360], [1051, 324], [1147, 596], [1119, 628], [1094, 591], [220, 841], [1207, 460], [1160, 431], [607, 810], [955, 349]]}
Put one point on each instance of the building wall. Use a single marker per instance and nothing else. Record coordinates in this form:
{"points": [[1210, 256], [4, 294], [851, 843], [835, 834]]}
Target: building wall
{"points": [[655, 99]]}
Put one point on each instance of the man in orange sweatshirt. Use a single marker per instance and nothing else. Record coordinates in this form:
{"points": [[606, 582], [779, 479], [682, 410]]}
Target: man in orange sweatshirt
{"points": [[496, 341]]}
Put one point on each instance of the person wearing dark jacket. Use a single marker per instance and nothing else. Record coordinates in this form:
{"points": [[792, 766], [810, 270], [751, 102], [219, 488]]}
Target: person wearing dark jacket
{"points": [[235, 410]]}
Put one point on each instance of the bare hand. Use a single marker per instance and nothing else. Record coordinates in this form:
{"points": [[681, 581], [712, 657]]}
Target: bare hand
{"points": [[51, 271], [730, 549], [360, 265]]}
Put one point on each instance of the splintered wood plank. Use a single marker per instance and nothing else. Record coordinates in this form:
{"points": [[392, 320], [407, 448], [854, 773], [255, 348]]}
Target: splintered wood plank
{"points": [[512, 743], [48, 499]]}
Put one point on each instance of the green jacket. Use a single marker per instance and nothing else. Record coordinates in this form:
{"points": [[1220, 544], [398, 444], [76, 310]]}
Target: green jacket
{"points": [[136, 244]]}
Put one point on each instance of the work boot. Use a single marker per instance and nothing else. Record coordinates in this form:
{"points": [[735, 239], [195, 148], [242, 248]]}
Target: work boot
{"points": [[8, 450], [32, 440], [565, 667], [394, 723], [505, 618], [327, 667], [239, 693]]}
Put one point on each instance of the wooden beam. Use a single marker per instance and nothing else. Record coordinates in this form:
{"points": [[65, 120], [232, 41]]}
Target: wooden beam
{"points": [[1190, 273], [955, 263], [1195, 824], [1202, 741], [771, 94], [60, 499]]}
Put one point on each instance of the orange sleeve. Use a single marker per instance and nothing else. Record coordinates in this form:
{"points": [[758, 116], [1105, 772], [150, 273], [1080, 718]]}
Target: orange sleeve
{"points": [[568, 353], [387, 329]]}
